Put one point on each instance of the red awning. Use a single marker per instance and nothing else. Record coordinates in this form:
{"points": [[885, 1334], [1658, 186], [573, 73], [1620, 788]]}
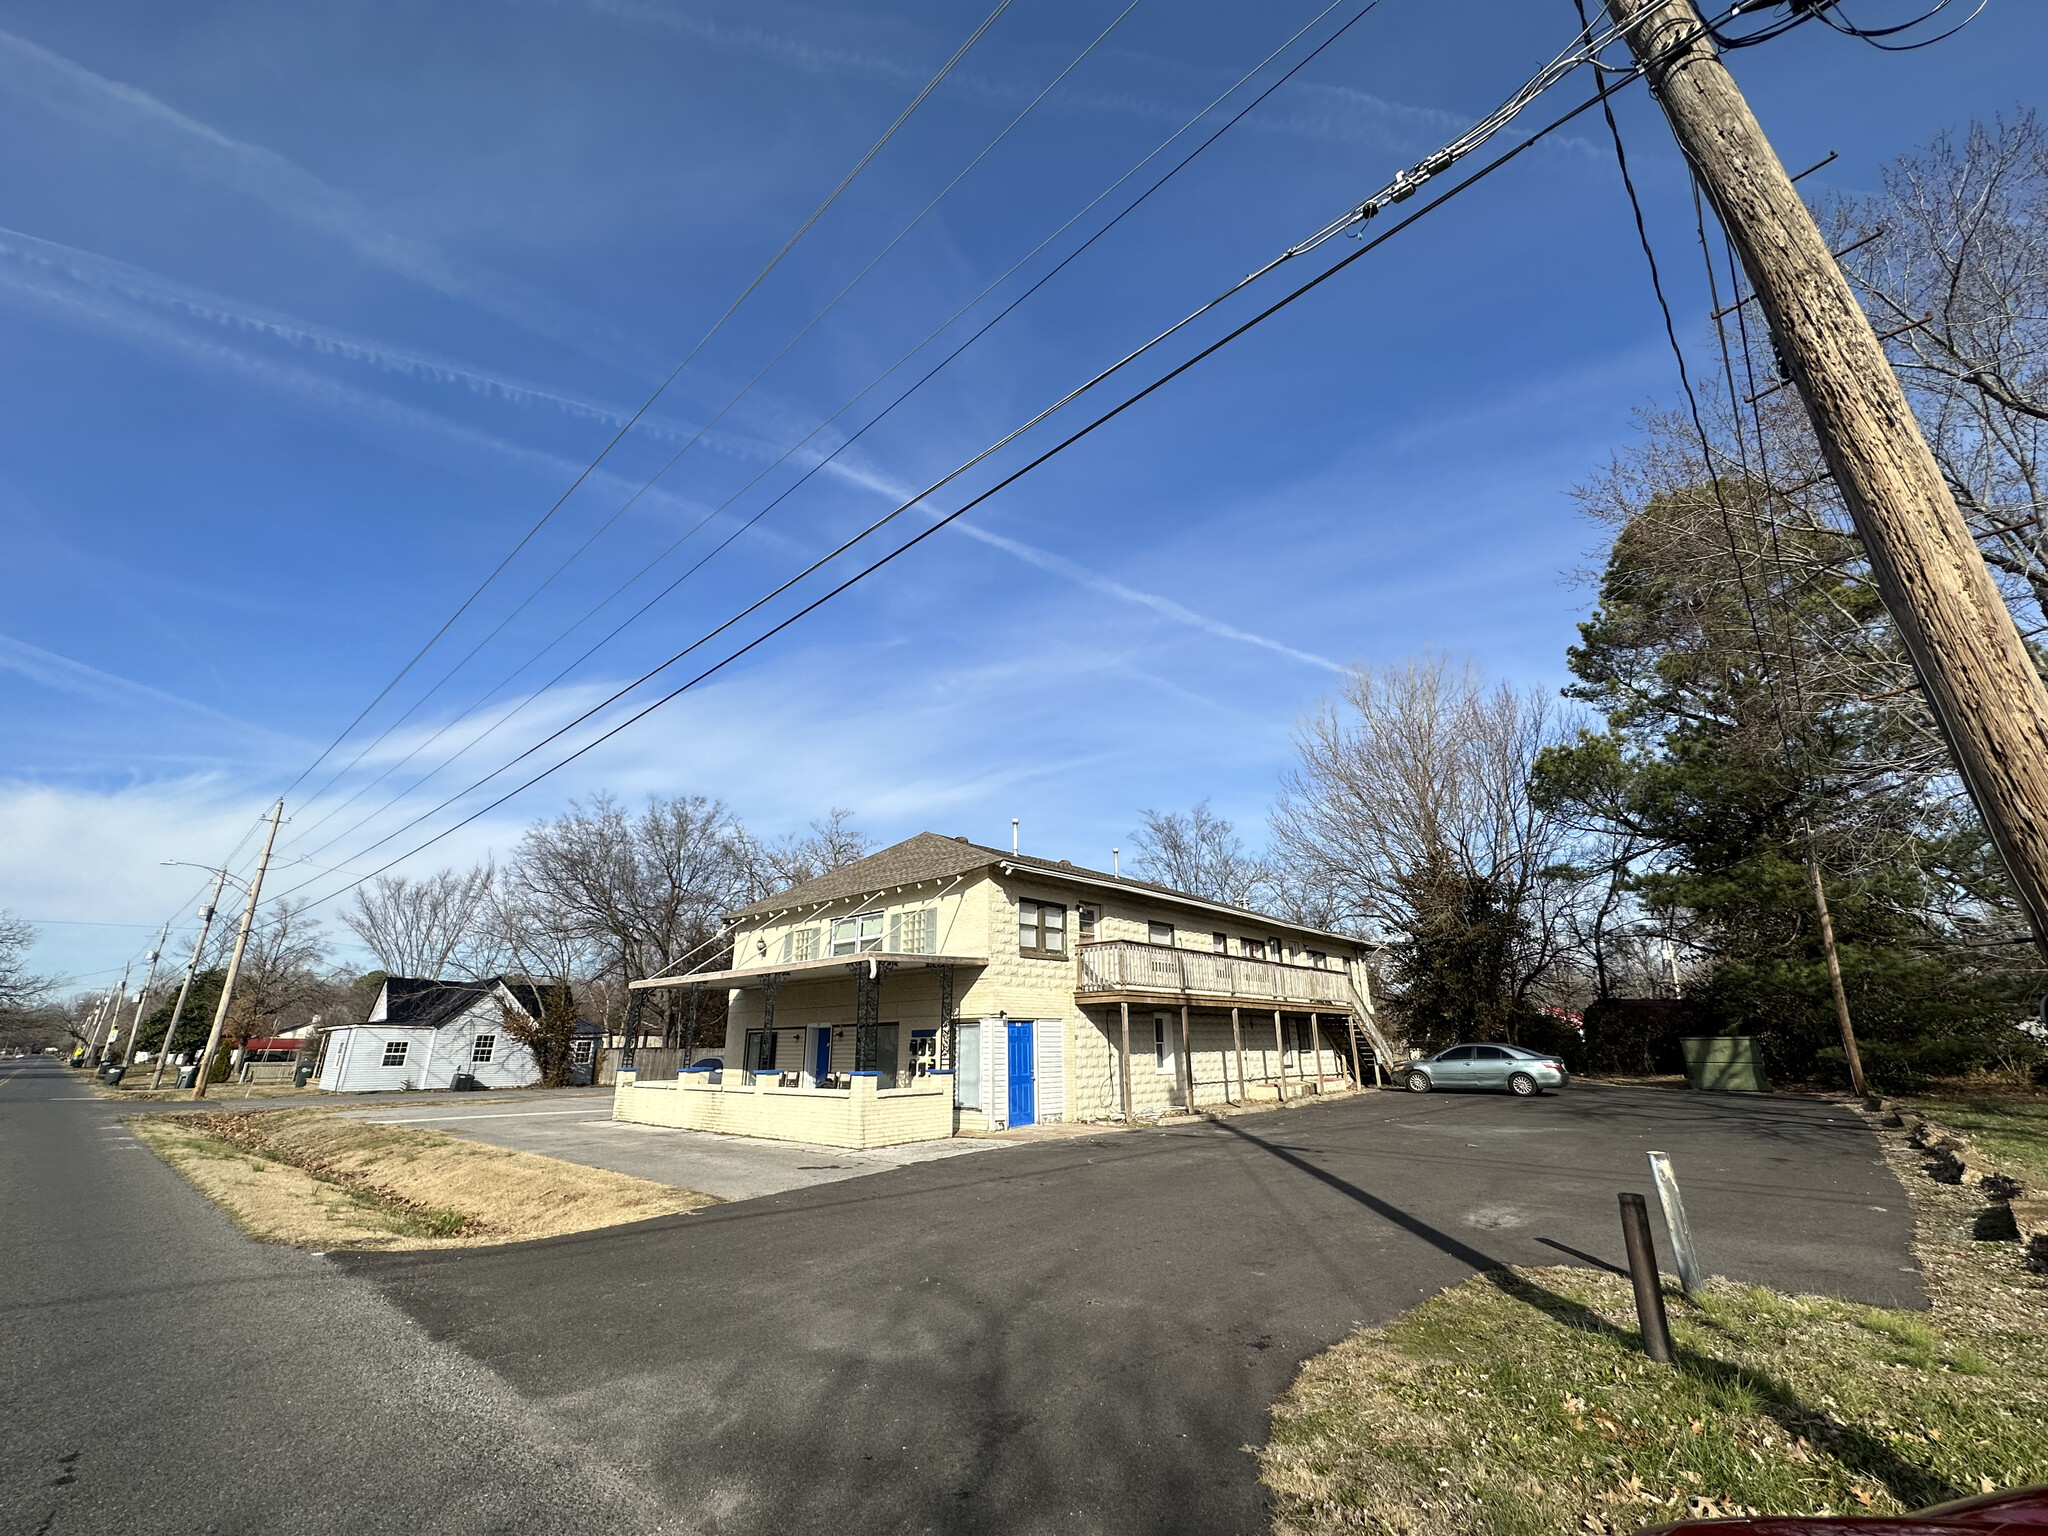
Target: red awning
{"points": [[280, 1043]]}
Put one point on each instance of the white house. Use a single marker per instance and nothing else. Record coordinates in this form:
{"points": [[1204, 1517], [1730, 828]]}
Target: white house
{"points": [[423, 1034]]}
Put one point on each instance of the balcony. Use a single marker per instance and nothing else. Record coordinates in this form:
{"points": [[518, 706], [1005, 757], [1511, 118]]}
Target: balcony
{"points": [[1122, 969]]}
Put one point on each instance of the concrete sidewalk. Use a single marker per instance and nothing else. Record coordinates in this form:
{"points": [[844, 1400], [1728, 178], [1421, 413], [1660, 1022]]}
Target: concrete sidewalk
{"points": [[730, 1167]]}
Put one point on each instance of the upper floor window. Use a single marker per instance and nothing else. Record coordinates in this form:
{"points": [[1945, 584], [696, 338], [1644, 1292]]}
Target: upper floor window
{"points": [[857, 935], [1220, 943], [911, 933], [800, 944], [1159, 933], [1042, 929], [1090, 917], [1254, 949], [1318, 959], [394, 1052]]}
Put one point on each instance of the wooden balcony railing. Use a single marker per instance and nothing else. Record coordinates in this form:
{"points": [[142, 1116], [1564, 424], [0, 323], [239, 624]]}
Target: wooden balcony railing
{"points": [[1121, 965]]}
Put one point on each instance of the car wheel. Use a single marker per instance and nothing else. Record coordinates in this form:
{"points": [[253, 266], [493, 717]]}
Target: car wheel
{"points": [[1418, 1082], [1523, 1086]]}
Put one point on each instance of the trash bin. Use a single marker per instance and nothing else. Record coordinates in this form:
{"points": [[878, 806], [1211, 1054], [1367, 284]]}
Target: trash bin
{"points": [[189, 1077], [113, 1075], [463, 1082], [302, 1074]]}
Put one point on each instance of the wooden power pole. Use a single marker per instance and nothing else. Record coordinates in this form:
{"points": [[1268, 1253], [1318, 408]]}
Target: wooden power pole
{"points": [[142, 998], [227, 986], [1980, 682], [185, 990]]}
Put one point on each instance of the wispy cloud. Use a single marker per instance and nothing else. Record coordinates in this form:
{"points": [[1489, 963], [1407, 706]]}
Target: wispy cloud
{"points": [[1073, 570], [51, 670], [31, 72]]}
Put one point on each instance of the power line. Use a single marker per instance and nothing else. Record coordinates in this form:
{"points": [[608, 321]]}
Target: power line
{"points": [[647, 405], [740, 394], [873, 421], [1363, 249]]}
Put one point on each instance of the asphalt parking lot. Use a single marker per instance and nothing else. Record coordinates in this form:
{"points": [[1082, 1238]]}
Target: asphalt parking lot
{"points": [[1084, 1335]]}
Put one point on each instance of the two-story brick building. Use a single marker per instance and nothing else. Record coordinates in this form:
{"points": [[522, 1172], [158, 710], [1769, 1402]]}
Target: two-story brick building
{"points": [[941, 985]]}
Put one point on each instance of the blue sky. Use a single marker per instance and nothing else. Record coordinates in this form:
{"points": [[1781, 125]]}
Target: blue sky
{"points": [[310, 312]]}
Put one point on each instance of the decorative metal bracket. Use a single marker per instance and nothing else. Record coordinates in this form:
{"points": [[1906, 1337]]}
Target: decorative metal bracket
{"points": [[636, 1002], [867, 1011], [949, 1031]]}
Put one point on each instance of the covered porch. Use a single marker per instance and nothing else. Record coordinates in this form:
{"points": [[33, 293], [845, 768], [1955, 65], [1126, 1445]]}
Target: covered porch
{"points": [[855, 1051], [1224, 1029]]}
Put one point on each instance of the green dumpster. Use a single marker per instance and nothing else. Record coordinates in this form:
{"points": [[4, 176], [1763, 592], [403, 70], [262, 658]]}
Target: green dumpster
{"points": [[1724, 1064]]}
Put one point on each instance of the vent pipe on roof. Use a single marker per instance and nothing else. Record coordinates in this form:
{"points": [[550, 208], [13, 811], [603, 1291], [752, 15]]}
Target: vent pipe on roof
{"points": [[1013, 834], [1116, 862]]}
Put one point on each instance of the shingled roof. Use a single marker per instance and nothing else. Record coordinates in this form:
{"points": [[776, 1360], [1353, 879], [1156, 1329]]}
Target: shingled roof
{"points": [[928, 856]]}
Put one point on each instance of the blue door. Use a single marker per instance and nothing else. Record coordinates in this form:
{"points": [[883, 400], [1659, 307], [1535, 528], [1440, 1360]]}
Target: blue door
{"points": [[823, 1067], [1023, 1076]]}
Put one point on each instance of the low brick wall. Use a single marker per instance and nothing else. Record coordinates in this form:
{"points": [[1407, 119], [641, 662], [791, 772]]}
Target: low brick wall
{"points": [[863, 1116]]}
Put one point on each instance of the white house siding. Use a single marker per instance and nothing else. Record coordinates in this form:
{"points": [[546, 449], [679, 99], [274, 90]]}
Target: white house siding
{"points": [[355, 1055]]}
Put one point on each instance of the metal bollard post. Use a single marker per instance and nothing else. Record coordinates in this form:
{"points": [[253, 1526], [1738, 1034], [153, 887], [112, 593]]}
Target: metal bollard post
{"points": [[1675, 1224], [1642, 1270]]}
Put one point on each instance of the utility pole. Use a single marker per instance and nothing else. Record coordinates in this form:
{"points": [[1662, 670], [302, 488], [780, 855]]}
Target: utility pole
{"points": [[1827, 943], [1979, 681], [198, 948], [102, 1042], [142, 997], [227, 987]]}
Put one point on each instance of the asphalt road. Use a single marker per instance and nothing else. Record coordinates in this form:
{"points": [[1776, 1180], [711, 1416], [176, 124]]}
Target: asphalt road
{"points": [[1084, 1336], [159, 1373], [730, 1167]]}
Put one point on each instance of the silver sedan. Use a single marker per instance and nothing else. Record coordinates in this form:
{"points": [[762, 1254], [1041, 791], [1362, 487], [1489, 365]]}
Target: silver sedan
{"points": [[1522, 1073]]}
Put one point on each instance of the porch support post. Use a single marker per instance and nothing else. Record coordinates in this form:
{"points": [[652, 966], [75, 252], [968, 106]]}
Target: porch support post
{"points": [[1187, 1056], [1315, 1045], [1280, 1044], [1237, 1043], [948, 1042], [629, 1032], [1126, 1074], [769, 987]]}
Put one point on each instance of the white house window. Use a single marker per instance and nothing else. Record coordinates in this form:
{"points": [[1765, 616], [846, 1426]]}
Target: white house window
{"points": [[1159, 933], [482, 1048], [857, 935], [1042, 929], [394, 1053], [580, 1051]]}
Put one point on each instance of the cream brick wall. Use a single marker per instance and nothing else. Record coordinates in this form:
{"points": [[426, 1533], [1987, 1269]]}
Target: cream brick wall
{"points": [[960, 921], [860, 1117], [1098, 1047]]}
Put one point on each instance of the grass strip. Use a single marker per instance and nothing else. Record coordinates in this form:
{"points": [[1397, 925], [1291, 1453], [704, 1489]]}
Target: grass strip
{"points": [[317, 1179], [2011, 1128], [1520, 1402]]}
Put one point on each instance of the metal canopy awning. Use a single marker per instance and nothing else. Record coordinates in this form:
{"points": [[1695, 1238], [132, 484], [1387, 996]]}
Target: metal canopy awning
{"points": [[829, 968]]}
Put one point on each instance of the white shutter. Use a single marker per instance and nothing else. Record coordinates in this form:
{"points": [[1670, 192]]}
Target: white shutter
{"points": [[1050, 1046]]}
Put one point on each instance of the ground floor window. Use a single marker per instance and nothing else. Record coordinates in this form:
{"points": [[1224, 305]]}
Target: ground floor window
{"points": [[580, 1051], [760, 1055], [482, 1049], [394, 1052]]}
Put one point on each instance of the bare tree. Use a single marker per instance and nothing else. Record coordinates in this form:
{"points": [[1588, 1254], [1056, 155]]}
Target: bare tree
{"points": [[20, 989], [427, 926], [1198, 852], [832, 842], [284, 975], [1410, 812], [647, 892]]}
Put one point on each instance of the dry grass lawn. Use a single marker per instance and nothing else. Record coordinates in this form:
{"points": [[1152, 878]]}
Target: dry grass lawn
{"points": [[1521, 1402], [316, 1179]]}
